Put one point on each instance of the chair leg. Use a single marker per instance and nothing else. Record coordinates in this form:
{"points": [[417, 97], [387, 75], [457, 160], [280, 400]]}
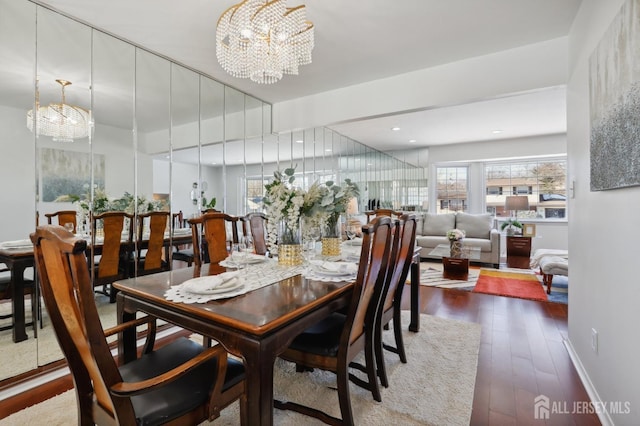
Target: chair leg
{"points": [[380, 366], [370, 363], [344, 397], [397, 331]]}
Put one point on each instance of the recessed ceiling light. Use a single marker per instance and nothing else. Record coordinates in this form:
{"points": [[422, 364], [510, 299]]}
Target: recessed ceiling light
{"points": [[214, 163], [412, 141], [495, 132], [395, 129], [328, 150], [299, 141]]}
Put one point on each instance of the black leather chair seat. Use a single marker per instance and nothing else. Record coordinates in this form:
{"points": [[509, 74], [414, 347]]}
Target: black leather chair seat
{"points": [[322, 338], [186, 393]]}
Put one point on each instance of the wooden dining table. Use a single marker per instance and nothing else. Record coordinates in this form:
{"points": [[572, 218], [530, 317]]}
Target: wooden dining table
{"points": [[256, 326]]}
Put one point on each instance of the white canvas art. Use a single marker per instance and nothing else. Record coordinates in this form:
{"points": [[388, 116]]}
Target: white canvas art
{"points": [[615, 103], [65, 173]]}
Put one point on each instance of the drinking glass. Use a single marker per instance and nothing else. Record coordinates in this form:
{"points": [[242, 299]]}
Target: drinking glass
{"points": [[351, 232], [309, 250]]}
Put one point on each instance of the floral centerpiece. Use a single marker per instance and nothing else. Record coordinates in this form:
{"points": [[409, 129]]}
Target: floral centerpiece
{"points": [[285, 205], [455, 237], [333, 203]]}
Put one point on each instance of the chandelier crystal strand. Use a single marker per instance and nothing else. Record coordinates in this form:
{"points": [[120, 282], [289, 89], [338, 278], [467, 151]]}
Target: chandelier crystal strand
{"points": [[61, 121], [263, 40]]}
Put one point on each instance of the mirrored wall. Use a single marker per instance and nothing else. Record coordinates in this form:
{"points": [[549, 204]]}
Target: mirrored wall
{"points": [[149, 131]]}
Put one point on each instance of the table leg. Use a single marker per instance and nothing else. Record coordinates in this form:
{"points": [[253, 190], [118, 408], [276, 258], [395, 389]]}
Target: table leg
{"points": [[259, 387], [17, 297], [415, 294], [127, 349]]}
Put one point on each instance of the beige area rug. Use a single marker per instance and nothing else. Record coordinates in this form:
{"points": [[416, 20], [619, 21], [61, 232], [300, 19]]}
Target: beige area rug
{"points": [[435, 387], [27, 355]]}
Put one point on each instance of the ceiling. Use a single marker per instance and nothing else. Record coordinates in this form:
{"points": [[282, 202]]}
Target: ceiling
{"points": [[358, 41]]}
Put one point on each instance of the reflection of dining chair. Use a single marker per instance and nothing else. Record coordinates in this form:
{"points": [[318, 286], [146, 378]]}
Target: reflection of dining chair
{"points": [[209, 236], [399, 264], [64, 216], [180, 383], [5, 294], [382, 212], [150, 246], [182, 252], [110, 250], [256, 224], [333, 343]]}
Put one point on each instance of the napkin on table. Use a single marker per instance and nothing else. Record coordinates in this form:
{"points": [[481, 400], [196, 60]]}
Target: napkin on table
{"points": [[213, 283]]}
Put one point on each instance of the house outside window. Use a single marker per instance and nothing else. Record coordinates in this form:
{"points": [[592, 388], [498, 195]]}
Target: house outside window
{"points": [[543, 181], [452, 189]]}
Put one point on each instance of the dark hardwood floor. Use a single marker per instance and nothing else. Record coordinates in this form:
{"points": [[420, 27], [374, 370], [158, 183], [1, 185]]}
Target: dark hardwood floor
{"points": [[522, 355]]}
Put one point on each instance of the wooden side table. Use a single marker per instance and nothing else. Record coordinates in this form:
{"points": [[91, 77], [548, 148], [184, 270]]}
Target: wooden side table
{"points": [[455, 268], [518, 252]]}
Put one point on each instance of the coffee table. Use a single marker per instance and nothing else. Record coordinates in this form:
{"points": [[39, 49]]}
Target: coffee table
{"points": [[455, 268]]}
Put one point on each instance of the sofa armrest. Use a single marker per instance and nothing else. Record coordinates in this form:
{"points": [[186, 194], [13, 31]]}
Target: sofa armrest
{"points": [[494, 236]]}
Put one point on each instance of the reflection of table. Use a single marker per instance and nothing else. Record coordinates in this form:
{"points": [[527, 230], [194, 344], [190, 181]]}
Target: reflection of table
{"points": [[17, 260], [455, 268], [256, 326]]}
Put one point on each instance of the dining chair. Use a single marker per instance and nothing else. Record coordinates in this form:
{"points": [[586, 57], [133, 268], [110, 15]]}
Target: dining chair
{"points": [[179, 383], [210, 234], [256, 224], [63, 216], [182, 252], [110, 253], [150, 247], [381, 212], [334, 342], [399, 264]]}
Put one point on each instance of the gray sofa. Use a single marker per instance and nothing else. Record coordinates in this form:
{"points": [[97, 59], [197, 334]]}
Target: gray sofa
{"points": [[432, 230]]}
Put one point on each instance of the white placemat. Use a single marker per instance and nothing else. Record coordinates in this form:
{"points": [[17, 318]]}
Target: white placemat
{"points": [[250, 278], [16, 244]]}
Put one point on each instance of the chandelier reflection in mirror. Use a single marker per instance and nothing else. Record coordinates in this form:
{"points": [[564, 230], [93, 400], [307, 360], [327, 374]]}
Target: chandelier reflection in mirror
{"points": [[263, 40], [61, 121]]}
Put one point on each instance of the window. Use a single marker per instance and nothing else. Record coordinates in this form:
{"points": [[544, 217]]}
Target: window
{"points": [[452, 186], [543, 181]]}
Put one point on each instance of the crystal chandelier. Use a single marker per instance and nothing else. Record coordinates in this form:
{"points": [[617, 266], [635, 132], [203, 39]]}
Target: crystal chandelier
{"points": [[262, 40], [62, 121]]}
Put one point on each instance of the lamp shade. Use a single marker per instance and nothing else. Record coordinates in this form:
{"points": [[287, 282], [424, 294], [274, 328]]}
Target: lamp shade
{"points": [[516, 202]]}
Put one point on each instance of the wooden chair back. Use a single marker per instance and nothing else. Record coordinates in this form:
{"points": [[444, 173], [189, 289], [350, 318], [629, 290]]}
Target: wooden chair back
{"points": [[210, 231], [114, 246], [105, 391], [63, 216], [382, 212], [177, 220], [255, 224], [68, 296], [399, 264], [152, 261], [374, 258]]}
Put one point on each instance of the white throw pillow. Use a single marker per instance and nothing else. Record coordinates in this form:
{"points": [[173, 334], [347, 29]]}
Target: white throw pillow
{"points": [[438, 224], [474, 225]]}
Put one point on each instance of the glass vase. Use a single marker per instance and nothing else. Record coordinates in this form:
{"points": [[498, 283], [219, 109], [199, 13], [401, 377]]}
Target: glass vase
{"points": [[455, 248], [331, 237], [289, 243]]}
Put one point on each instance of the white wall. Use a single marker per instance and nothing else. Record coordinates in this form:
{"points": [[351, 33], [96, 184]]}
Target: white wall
{"points": [[603, 234]]}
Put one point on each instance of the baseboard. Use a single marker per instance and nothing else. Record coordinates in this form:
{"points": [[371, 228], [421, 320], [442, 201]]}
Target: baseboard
{"points": [[603, 415]]}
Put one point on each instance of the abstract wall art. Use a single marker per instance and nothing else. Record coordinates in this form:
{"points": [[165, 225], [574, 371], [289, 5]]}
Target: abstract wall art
{"points": [[614, 82]]}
